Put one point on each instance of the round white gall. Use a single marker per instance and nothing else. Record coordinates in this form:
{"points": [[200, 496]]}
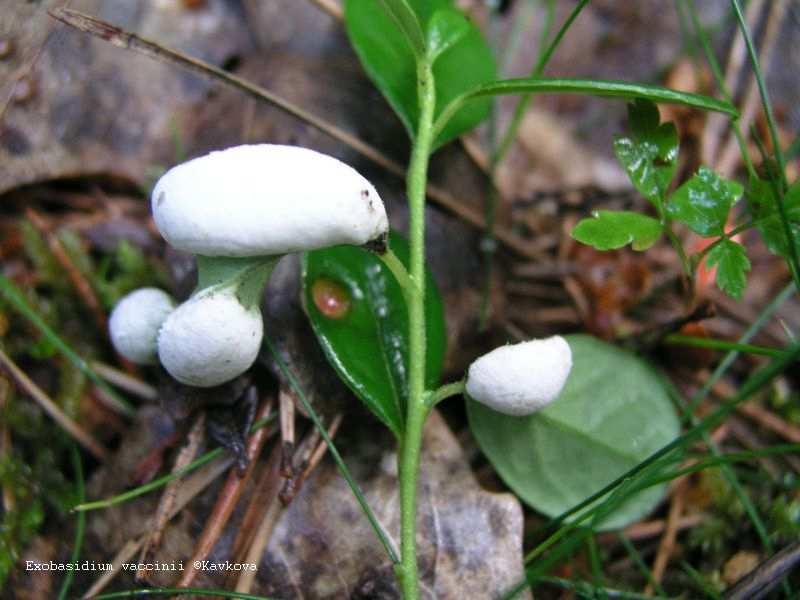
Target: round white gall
{"points": [[520, 379], [210, 339], [264, 200], [135, 322]]}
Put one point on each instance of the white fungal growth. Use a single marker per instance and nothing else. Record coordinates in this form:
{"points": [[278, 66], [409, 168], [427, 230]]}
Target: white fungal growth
{"points": [[210, 339], [523, 378], [262, 200], [135, 322]]}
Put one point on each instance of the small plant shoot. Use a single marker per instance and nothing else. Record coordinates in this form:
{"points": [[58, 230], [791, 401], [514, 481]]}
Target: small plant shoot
{"points": [[703, 203], [390, 56]]}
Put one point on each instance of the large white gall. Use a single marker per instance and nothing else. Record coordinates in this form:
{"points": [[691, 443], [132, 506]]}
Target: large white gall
{"points": [[263, 200], [520, 379], [210, 339]]}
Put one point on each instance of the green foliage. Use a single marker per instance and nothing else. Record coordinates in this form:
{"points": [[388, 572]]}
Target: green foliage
{"points": [[612, 414], [113, 275], [405, 19], [44, 264], [363, 328], [385, 42], [732, 264], [19, 525], [766, 212], [445, 30], [32, 473], [608, 230], [650, 154], [704, 201]]}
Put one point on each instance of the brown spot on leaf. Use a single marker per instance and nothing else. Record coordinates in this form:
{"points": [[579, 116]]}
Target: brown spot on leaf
{"points": [[330, 298]]}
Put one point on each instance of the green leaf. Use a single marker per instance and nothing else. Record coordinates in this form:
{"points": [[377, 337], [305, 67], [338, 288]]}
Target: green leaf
{"points": [[650, 155], [704, 201], [445, 29], [610, 229], [463, 60], [613, 413], [588, 87], [764, 206], [358, 313], [732, 264], [407, 22]]}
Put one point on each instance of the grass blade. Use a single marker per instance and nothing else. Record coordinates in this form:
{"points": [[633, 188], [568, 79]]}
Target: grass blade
{"points": [[80, 525], [17, 300], [362, 501], [590, 87]]}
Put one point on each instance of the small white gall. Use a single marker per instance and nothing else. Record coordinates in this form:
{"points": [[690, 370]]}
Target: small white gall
{"points": [[135, 322], [520, 379]]}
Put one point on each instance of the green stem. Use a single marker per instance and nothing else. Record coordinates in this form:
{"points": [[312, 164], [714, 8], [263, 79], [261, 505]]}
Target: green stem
{"points": [[417, 410], [397, 269], [676, 244], [446, 391]]}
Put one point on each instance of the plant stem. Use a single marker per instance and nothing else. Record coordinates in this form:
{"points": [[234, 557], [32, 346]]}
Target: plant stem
{"points": [[446, 391], [417, 410]]}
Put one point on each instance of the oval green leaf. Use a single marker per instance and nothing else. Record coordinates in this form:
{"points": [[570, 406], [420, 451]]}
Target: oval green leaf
{"points": [[612, 414], [463, 60], [612, 229], [367, 343]]}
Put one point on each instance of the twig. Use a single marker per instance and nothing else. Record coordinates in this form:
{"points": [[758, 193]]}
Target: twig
{"points": [[771, 421], [260, 542], [309, 462], [759, 414], [264, 510], [265, 488], [82, 287], [123, 39], [286, 410], [649, 529], [167, 500], [715, 124], [731, 153], [331, 7], [124, 381], [747, 438], [764, 578], [9, 500], [667, 544], [193, 485], [228, 498], [80, 435]]}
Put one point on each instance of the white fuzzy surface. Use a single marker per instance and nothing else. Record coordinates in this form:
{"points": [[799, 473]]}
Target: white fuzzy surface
{"points": [[135, 322], [523, 378], [210, 339], [264, 199]]}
